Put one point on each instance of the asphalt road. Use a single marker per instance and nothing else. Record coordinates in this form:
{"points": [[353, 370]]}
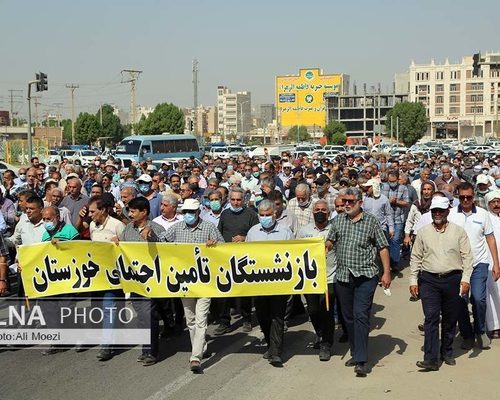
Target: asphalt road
{"points": [[236, 368]]}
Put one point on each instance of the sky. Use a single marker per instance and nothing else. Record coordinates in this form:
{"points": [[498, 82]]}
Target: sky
{"points": [[242, 45]]}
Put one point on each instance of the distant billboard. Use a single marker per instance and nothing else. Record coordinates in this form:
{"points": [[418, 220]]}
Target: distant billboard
{"points": [[300, 98]]}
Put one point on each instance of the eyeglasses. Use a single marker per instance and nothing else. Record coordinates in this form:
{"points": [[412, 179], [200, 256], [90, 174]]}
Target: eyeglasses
{"points": [[350, 201], [465, 198]]}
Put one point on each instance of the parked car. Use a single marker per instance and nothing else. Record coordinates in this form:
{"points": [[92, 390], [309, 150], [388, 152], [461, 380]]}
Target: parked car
{"points": [[5, 166]]}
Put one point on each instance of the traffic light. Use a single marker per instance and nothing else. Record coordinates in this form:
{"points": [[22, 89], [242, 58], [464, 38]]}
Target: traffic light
{"points": [[475, 64], [42, 83], [191, 126]]}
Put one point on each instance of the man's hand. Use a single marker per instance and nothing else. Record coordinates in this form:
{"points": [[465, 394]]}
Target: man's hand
{"points": [[145, 233], [407, 240], [238, 238], [83, 212], [496, 272], [394, 200], [386, 280], [391, 233], [3, 287], [211, 243], [115, 240], [119, 209], [414, 291], [328, 246], [54, 241], [464, 288]]}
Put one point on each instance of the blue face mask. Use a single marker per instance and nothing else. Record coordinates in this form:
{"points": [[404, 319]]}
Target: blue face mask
{"points": [[256, 174], [190, 219], [497, 182], [215, 205], [206, 202], [49, 226], [393, 185], [266, 222], [143, 188], [236, 210]]}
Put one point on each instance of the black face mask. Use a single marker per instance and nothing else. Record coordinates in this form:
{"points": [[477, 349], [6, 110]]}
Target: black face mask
{"points": [[320, 217]]}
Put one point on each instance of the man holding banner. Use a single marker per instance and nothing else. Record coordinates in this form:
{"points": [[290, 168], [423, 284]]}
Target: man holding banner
{"points": [[195, 230], [141, 229], [270, 309]]}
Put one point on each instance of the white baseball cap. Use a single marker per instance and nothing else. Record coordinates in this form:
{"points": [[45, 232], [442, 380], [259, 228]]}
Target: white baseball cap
{"points": [[144, 178], [190, 205], [440, 202]]}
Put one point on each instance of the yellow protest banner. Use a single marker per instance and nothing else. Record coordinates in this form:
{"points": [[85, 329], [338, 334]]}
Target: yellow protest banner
{"points": [[175, 270]]}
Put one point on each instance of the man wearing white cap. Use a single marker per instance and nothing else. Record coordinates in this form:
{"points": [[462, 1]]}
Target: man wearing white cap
{"points": [[477, 224], [482, 188], [378, 205], [492, 287], [195, 230], [440, 269], [144, 183]]}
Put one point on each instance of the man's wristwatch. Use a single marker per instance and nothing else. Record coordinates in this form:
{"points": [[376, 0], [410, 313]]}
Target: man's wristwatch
{"points": [[3, 280]]}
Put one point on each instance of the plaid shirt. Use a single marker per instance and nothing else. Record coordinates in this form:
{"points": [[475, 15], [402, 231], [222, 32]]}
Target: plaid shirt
{"points": [[329, 198], [303, 216], [401, 193], [355, 245], [201, 233]]}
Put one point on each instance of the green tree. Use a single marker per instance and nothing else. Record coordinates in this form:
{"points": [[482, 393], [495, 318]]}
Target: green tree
{"points": [[166, 117], [67, 130], [413, 121], [303, 134], [335, 132], [111, 126], [87, 128]]}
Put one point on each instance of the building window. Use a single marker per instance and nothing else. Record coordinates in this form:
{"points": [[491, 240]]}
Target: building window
{"points": [[439, 111], [439, 99], [476, 97], [453, 110], [455, 74], [454, 87], [440, 88], [439, 75], [453, 99], [477, 86]]}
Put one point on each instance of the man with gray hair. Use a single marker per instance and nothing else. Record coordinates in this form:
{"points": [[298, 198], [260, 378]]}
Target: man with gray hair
{"points": [[270, 309], [356, 236], [446, 178], [301, 206], [321, 318], [234, 224], [168, 208], [127, 194], [75, 200], [56, 196]]}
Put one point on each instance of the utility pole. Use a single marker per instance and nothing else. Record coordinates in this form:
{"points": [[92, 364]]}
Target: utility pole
{"points": [[37, 103], [132, 79], [14, 98], [397, 129], [72, 87], [195, 97]]}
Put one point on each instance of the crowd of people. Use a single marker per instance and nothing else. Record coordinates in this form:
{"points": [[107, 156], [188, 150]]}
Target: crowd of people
{"points": [[374, 212]]}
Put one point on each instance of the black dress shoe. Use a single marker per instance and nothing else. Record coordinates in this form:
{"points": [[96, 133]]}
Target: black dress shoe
{"points": [[428, 365], [276, 361], [360, 369], [350, 363], [449, 360]]}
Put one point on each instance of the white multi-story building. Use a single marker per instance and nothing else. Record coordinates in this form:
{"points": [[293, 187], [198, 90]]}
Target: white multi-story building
{"points": [[459, 104], [234, 113]]}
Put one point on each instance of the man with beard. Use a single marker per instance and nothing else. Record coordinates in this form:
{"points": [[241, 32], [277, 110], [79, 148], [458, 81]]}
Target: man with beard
{"points": [[356, 237]]}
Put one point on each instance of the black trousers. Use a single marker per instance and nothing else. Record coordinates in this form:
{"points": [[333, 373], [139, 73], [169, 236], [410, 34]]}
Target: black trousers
{"points": [[440, 297], [321, 319], [223, 306], [270, 312], [146, 309]]}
